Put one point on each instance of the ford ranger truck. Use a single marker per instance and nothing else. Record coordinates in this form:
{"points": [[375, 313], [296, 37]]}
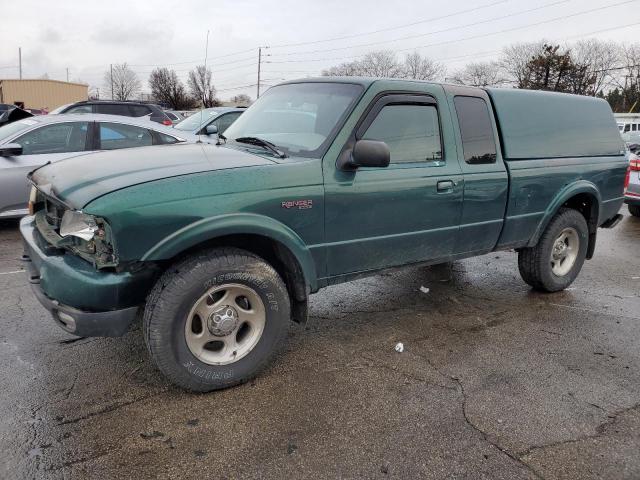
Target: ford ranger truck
{"points": [[319, 182]]}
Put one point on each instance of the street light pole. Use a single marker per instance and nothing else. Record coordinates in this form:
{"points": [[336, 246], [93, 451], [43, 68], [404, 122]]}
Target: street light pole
{"points": [[259, 61]]}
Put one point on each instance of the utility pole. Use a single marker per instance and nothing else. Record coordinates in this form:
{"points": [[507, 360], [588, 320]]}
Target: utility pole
{"points": [[259, 61], [20, 61], [111, 67], [67, 74]]}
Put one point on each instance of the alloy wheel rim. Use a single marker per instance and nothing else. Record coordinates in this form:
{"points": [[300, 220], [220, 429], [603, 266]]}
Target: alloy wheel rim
{"points": [[564, 251], [225, 324]]}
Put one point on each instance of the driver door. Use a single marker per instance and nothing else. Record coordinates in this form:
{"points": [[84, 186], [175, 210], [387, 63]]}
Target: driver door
{"points": [[409, 211]]}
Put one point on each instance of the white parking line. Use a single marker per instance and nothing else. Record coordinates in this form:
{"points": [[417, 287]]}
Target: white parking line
{"points": [[10, 273]]}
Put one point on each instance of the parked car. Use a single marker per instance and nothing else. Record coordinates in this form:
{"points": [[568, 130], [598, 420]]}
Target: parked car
{"points": [[202, 122], [174, 116], [11, 113], [112, 107], [632, 181], [30, 143], [321, 181]]}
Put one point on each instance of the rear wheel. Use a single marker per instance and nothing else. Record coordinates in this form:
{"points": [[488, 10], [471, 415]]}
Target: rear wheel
{"points": [[216, 319], [554, 263], [634, 210]]}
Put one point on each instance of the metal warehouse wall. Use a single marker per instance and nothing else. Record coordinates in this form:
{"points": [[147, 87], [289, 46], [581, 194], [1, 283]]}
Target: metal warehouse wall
{"points": [[42, 93]]}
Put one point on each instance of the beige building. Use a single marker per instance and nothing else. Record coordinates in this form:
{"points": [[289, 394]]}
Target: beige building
{"points": [[41, 93]]}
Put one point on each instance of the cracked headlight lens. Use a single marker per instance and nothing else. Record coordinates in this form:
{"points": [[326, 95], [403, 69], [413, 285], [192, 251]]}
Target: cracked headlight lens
{"points": [[78, 224]]}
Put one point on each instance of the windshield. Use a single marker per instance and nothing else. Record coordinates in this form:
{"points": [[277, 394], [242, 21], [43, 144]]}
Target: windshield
{"points": [[11, 129], [299, 118], [193, 122]]}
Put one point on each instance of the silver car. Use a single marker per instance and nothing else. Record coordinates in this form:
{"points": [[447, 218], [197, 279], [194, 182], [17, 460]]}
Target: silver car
{"points": [[210, 121], [29, 143]]}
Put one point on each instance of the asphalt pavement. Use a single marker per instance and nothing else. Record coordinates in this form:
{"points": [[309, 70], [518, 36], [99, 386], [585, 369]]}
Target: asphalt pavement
{"points": [[496, 381]]}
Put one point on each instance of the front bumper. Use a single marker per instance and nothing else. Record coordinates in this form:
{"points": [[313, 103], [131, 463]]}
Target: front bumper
{"points": [[82, 300]]}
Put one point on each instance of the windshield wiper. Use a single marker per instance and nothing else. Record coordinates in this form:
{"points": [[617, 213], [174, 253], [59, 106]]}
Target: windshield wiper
{"points": [[262, 143]]}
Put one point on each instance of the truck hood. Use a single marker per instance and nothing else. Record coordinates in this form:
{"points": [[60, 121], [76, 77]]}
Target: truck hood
{"points": [[77, 181]]}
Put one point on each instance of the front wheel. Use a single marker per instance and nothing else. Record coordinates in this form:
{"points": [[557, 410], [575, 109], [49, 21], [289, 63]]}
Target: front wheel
{"points": [[215, 319], [554, 263], [634, 210]]}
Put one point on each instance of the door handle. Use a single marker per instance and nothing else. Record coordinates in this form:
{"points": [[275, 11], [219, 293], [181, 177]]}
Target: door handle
{"points": [[445, 186]]}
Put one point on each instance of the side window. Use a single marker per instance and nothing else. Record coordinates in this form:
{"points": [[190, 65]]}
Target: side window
{"points": [[476, 130], [411, 132], [80, 109], [113, 109], [627, 127], [116, 135], [633, 127], [226, 120], [139, 110], [57, 138], [164, 139]]}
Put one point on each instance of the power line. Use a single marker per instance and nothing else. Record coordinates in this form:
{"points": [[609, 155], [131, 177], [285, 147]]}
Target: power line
{"points": [[428, 20], [493, 52], [472, 37], [409, 37]]}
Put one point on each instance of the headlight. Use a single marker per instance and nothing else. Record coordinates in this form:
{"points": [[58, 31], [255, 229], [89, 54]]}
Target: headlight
{"points": [[78, 224], [33, 196]]}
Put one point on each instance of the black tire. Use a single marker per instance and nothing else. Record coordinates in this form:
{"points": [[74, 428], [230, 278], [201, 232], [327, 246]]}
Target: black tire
{"points": [[634, 210], [535, 263], [175, 293]]}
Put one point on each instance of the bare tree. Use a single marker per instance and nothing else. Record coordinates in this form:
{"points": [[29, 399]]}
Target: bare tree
{"points": [[418, 67], [201, 86], [382, 63], [167, 88], [600, 61], [124, 82], [480, 74], [241, 99], [515, 60]]}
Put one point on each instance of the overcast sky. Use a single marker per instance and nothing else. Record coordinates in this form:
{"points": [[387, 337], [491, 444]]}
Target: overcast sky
{"points": [[86, 37]]}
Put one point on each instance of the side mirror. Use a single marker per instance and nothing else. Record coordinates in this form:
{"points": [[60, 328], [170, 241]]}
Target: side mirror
{"points": [[10, 150], [211, 130], [366, 153]]}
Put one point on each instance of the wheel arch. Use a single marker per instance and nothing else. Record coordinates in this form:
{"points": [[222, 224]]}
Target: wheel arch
{"points": [[582, 196], [273, 241]]}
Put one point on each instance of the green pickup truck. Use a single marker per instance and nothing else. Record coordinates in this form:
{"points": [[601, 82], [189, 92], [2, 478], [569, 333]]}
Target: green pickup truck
{"points": [[321, 181]]}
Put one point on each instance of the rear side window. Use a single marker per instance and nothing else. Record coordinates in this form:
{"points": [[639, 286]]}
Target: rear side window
{"points": [[410, 131], [139, 110], [113, 109], [476, 130], [114, 136], [164, 139]]}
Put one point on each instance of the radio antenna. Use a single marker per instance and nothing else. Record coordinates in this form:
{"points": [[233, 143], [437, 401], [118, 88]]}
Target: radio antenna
{"points": [[204, 80]]}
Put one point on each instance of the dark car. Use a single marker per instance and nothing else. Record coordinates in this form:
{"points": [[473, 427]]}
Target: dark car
{"points": [[112, 107], [11, 113]]}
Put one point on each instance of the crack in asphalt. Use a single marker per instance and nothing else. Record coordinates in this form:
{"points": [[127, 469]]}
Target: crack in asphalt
{"points": [[600, 431], [485, 436], [108, 409]]}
